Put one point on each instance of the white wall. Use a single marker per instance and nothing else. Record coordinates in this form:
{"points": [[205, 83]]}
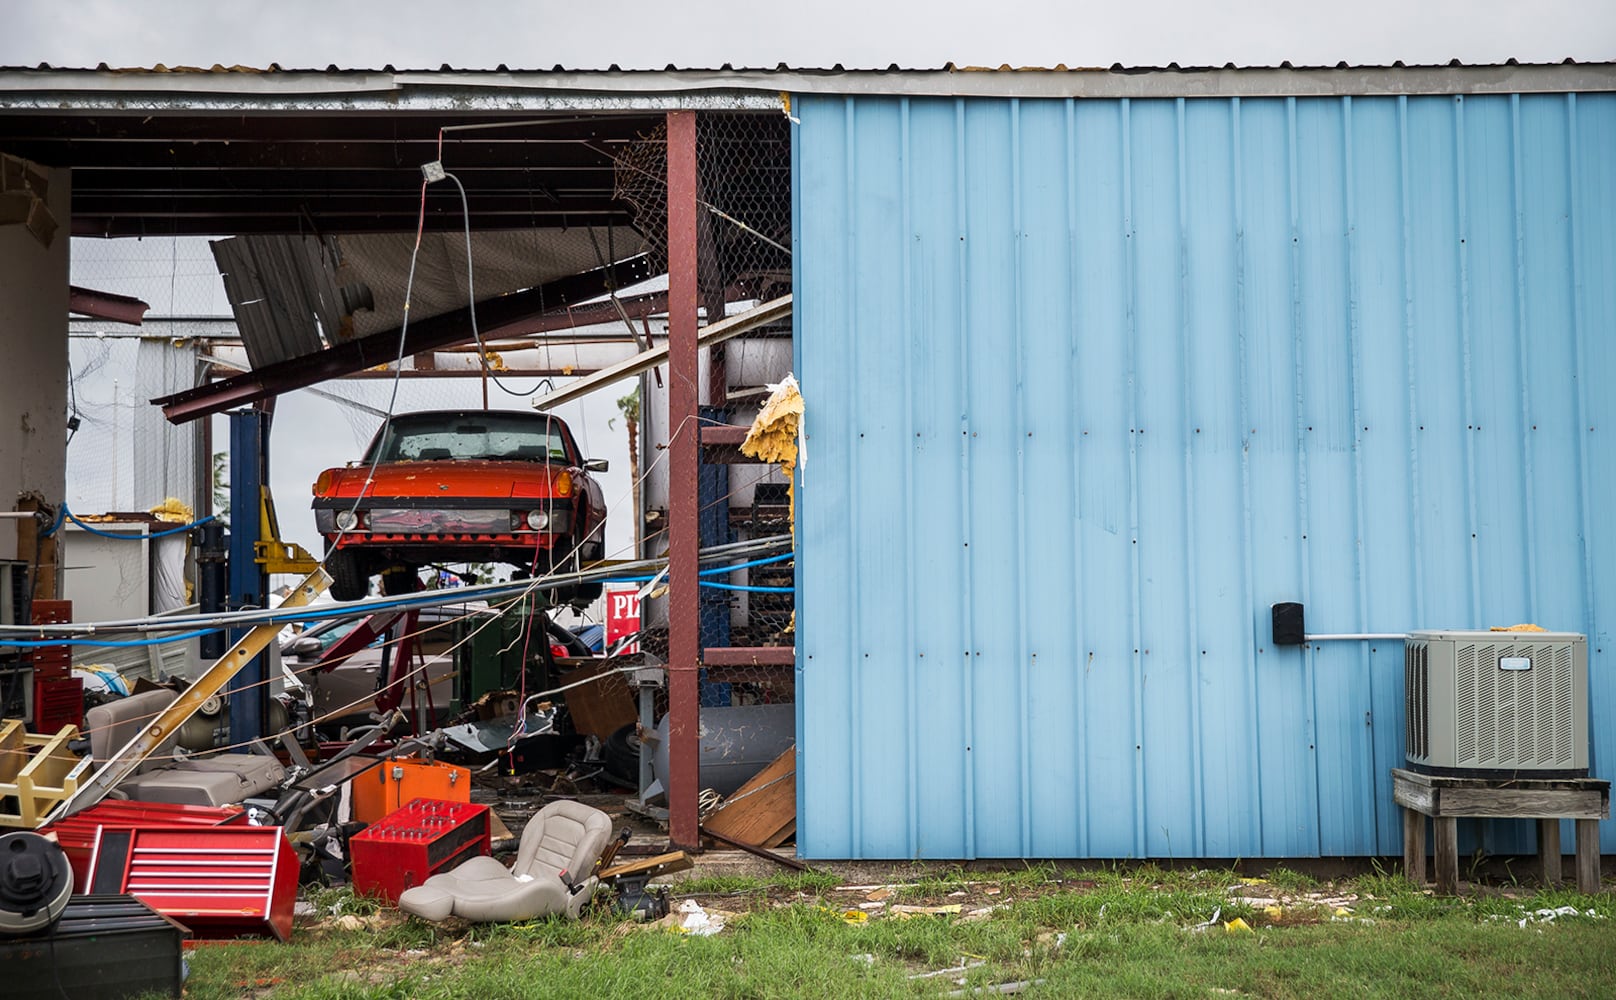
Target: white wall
{"points": [[33, 372]]}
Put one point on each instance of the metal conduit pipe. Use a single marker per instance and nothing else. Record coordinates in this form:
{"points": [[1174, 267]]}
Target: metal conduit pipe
{"points": [[459, 595]]}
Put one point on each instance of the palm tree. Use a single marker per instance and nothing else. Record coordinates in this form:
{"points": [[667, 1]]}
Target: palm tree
{"points": [[630, 407]]}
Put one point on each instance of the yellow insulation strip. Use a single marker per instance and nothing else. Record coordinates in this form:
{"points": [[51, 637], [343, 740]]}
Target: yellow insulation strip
{"points": [[174, 510], [773, 435]]}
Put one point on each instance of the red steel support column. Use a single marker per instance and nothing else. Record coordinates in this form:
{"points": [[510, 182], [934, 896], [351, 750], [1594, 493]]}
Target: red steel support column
{"points": [[684, 453]]}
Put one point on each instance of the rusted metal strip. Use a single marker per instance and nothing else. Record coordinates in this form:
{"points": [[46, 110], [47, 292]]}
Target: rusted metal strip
{"points": [[684, 456], [779, 859]]}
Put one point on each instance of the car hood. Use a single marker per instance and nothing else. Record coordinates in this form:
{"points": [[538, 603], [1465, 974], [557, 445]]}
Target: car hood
{"points": [[451, 479]]}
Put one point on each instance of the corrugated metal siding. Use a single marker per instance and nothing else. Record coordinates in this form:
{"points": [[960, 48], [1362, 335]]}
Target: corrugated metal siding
{"points": [[1091, 384]]}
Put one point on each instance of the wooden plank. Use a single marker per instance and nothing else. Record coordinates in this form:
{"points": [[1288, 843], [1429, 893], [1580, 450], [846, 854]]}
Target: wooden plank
{"points": [[1548, 849], [763, 807], [601, 708], [662, 864], [1414, 846], [497, 830], [1409, 791], [1446, 830], [13, 754], [784, 834], [1588, 856], [1520, 803]]}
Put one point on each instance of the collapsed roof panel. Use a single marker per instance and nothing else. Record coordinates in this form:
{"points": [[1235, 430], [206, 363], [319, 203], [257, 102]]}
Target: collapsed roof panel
{"points": [[295, 295]]}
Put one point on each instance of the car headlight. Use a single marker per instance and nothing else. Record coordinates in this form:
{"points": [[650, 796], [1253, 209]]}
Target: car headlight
{"points": [[538, 520], [347, 520]]}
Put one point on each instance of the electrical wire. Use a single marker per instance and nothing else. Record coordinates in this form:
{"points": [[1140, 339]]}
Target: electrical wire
{"points": [[471, 294], [398, 373]]}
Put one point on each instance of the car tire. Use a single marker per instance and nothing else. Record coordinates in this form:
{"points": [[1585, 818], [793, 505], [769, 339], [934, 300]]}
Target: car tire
{"points": [[349, 581], [620, 755]]}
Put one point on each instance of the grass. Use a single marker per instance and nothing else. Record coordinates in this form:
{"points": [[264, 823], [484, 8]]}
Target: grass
{"points": [[1117, 932]]}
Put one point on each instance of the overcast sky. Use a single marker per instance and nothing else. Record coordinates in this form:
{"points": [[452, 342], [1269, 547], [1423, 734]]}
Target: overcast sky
{"points": [[539, 34]]}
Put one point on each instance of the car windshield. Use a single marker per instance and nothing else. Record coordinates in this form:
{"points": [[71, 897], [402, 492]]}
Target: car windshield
{"points": [[433, 437]]}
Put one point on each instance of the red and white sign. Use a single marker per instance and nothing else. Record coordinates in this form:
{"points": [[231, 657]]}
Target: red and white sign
{"points": [[622, 616]]}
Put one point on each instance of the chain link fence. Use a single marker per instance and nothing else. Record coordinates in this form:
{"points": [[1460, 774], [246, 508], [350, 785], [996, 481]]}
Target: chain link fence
{"points": [[743, 258]]}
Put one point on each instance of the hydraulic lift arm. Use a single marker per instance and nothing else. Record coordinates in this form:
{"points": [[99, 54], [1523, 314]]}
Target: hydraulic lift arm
{"points": [[269, 551]]}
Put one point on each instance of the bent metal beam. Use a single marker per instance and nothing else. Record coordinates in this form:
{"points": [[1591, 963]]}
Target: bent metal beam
{"points": [[383, 348]]}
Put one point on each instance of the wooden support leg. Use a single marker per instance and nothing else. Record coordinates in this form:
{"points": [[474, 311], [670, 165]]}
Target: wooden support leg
{"points": [[1548, 849], [1446, 830], [1414, 846], [1588, 855]]}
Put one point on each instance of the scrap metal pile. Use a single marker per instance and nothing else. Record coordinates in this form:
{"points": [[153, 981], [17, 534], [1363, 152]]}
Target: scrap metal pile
{"points": [[119, 826]]}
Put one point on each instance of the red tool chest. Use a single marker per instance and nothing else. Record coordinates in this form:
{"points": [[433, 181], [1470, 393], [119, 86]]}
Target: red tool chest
{"points": [[421, 839], [58, 695], [77, 833], [221, 882]]}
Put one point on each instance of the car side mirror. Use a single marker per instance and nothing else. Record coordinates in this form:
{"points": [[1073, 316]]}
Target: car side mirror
{"points": [[305, 647], [596, 464]]}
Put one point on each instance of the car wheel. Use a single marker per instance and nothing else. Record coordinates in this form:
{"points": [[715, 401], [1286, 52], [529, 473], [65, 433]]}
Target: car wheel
{"points": [[349, 581], [620, 755]]}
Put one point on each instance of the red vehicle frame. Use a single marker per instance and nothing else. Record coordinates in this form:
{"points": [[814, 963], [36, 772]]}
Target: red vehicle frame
{"points": [[454, 486]]}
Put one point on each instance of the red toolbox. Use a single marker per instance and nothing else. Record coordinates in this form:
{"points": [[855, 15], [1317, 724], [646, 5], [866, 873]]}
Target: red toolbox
{"points": [[58, 695], [51, 662], [58, 702], [423, 838], [221, 882], [77, 833]]}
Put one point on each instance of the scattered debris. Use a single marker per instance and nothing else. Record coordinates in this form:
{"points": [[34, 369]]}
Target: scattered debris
{"points": [[692, 919], [1547, 916], [904, 911], [1001, 989], [954, 970], [1198, 928]]}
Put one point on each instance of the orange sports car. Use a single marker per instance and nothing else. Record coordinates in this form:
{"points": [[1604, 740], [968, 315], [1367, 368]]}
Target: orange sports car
{"points": [[460, 486]]}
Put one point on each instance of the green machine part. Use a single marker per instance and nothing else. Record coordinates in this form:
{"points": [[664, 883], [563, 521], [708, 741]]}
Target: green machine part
{"points": [[488, 656]]}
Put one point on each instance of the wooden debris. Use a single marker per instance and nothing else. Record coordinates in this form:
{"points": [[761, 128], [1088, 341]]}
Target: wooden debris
{"points": [[764, 810], [603, 707], [37, 772], [662, 864]]}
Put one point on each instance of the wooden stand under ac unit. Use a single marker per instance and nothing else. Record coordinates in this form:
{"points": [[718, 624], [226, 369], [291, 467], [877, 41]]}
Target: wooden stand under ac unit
{"points": [[1547, 800]]}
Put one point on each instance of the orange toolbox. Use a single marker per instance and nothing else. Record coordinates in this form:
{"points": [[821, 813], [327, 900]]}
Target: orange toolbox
{"points": [[382, 790]]}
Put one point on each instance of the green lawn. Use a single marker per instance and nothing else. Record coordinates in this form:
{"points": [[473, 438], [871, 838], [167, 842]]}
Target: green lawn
{"points": [[1093, 933]]}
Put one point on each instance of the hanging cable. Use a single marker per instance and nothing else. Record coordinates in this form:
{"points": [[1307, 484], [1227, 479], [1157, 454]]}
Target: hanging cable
{"points": [[471, 294], [398, 374]]}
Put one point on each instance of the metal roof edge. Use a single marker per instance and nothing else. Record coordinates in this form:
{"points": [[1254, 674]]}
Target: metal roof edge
{"points": [[508, 91]]}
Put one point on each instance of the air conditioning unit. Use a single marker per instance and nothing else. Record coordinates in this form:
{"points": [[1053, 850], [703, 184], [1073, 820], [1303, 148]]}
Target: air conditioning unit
{"points": [[1491, 704]]}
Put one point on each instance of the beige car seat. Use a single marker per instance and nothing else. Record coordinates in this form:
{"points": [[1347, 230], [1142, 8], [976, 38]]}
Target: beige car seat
{"points": [[554, 872], [222, 779]]}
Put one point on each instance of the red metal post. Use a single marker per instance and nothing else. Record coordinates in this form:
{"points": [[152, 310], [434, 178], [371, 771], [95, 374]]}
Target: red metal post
{"points": [[684, 454]]}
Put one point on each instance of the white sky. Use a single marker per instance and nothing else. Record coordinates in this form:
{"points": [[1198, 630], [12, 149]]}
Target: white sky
{"points": [[539, 34]]}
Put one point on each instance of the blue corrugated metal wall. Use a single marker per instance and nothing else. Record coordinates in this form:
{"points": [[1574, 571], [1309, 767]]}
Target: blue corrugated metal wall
{"points": [[1092, 383]]}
